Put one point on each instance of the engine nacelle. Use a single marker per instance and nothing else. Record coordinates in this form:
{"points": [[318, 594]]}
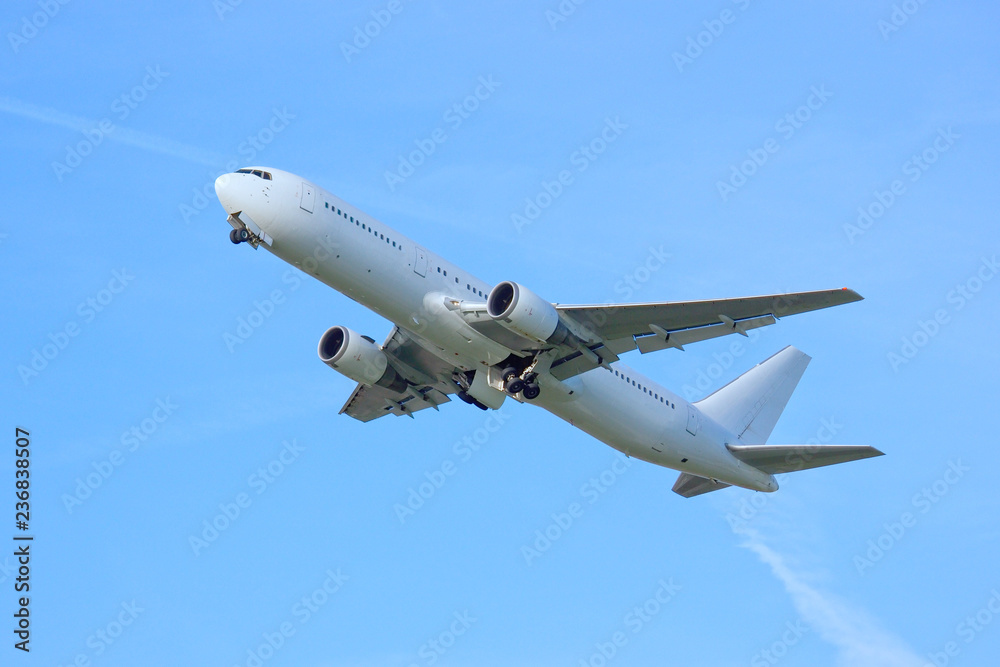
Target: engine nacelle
{"points": [[522, 311], [358, 358]]}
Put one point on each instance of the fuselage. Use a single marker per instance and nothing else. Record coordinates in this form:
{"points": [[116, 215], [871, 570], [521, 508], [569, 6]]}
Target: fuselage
{"points": [[407, 284]]}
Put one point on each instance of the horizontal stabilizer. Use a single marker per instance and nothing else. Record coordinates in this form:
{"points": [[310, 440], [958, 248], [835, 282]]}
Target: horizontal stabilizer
{"points": [[689, 485], [775, 459]]}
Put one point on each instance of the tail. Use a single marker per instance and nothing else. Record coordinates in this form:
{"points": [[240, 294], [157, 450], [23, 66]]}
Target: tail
{"points": [[750, 406]]}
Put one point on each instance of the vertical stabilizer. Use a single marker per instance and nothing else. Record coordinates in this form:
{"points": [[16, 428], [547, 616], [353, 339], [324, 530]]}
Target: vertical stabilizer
{"points": [[750, 405]]}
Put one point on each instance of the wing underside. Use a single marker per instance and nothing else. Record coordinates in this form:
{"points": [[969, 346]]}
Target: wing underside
{"points": [[368, 403], [428, 376]]}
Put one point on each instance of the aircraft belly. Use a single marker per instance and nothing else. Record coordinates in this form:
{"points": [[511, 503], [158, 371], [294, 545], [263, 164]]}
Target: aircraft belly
{"points": [[642, 427], [611, 414]]}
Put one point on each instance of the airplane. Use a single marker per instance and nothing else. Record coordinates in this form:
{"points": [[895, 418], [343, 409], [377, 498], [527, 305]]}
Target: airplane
{"points": [[456, 335]]}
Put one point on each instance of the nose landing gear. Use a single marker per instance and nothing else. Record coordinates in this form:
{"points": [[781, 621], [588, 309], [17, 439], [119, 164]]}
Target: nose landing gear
{"points": [[245, 231], [239, 236]]}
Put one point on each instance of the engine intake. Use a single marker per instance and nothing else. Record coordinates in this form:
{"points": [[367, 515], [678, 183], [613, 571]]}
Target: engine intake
{"points": [[522, 311], [353, 355]]}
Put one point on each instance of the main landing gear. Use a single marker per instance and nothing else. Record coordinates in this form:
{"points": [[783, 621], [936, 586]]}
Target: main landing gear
{"points": [[531, 391], [515, 384]]}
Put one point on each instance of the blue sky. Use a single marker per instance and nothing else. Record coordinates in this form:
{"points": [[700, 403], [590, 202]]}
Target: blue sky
{"points": [[750, 137]]}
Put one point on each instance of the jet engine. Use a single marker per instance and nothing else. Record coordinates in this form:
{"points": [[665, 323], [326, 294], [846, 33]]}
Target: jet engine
{"points": [[522, 311], [359, 358]]}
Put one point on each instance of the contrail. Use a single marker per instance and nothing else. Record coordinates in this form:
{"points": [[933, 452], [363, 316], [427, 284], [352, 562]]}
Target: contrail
{"points": [[121, 135], [859, 638]]}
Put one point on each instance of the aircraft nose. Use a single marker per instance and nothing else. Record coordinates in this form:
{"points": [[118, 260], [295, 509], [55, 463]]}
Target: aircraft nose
{"points": [[249, 192], [224, 190]]}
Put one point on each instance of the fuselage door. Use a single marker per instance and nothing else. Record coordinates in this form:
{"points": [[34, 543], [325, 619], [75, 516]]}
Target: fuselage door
{"points": [[692, 425], [420, 262], [308, 196]]}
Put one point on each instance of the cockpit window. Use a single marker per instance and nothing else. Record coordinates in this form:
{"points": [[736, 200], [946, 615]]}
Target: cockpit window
{"points": [[266, 175]]}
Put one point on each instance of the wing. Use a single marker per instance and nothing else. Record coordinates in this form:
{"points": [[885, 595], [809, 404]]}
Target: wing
{"points": [[691, 321], [430, 379], [618, 328]]}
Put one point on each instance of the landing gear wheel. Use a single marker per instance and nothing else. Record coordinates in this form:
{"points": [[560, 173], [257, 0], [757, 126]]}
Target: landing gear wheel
{"points": [[234, 237], [515, 386], [243, 235], [531, 391], [508, 373]]}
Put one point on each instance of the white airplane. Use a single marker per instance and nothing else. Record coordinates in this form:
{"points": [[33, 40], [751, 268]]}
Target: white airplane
{"points": [[456, 334]]}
